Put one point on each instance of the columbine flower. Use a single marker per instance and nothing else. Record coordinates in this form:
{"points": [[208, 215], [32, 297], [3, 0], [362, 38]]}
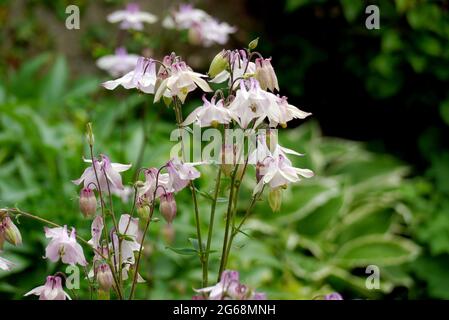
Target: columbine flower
{"points": [[265, 74], [108, 174], [286, 113], [251, 103], [209, 114], [9, 231], [118, 64], [148, 188], [238, 65], [96, 230], [88, 202], [180, 174], [5, 264], [181, 81], [64, 246], [168, 207], [278, 171], [52, 290], [132, 17], [230, 287], [143, 77], [105, 278], [128, 228], [187, 16], [333, 296]]}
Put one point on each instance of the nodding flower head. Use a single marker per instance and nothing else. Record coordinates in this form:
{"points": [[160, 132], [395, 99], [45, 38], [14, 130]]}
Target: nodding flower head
{"points": [[168, 206], [88, 202], [266, 75], [51, 290], [105, 278], [9, 231]]}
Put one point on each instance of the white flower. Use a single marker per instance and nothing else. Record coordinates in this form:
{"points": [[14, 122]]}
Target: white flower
{"points": [[286, 113], [180, 174], [209, 114], [277, 170], [96, 230], [181, 81], [238, 61], [143, 77], [118, 64], [129, 228], [5, 264], [64, 246], [108, 175], [132, 17], [187, 16], [52, 290], [265, 74]]}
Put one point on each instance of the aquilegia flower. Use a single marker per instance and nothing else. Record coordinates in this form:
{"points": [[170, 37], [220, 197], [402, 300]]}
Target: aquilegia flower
{"points": [[64, 246], [239, 67], [108, 175], [209, 114], [118, 64], [131, 17], [5, 264], [230, 287], [181, 81], [149, 187], [52, 290], [96, 230], [9, 232], [143, 77], [180, 174], [265, 74]]}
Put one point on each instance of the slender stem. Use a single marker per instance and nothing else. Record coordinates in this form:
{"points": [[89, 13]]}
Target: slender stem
{"points": [[178, 113], [211, 226]]}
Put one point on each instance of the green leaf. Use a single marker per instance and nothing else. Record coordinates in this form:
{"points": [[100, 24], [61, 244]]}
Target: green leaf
{"points": [[379, 250]]}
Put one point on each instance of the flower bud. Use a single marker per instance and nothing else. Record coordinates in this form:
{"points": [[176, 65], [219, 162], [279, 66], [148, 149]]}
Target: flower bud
{"points": [[265, 75], [253, 44], [168, 206], [9, 232], [89, 134], [88, 202], [275, 199], [143, 210], [218, 64], [104, 277]]}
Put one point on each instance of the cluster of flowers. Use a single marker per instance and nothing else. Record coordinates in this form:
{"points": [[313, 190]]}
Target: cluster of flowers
{"points": [[203, 29]]}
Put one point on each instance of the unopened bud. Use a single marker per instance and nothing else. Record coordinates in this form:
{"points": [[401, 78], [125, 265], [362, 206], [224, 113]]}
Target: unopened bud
{"points": [[104, 277], [143, 210], [168, 206], [265, 75], [253, 44], [219, 63], [275, 199], [10, 232], [88, 202], [89, 134]]}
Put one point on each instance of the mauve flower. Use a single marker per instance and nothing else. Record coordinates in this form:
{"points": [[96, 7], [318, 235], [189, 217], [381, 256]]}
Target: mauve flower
{"points": [[333, 296], [180, 174], [118, 64], [149, 186], [5, 264], [209, 114], [229, 287], [52, 290], [108, 173], [96, 230], [181, 81], [143, 77], [132, 17], [64, 246]]}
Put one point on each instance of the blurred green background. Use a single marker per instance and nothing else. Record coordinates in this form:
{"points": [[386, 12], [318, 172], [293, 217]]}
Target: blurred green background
{"points": [[378, 142]]}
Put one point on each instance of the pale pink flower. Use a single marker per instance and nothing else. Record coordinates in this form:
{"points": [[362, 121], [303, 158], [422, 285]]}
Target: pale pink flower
{"points": [[131, 17], [108, 174], [96, 230], [180, 174], [187, 16], [118, 64], [5, 264], [143, 77], [64, 246], [128, 227], [286, 113], [180, 82], [265, 74], [52, 290], [149, 186], [209, 114]]}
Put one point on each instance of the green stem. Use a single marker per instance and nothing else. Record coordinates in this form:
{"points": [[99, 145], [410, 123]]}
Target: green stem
{"points": [[211, 226]]}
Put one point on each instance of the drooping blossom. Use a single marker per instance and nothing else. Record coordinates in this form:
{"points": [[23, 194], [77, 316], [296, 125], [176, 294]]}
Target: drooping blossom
{"points": [[105, 279], [168, 207], [265, 74], [277, 171], [149, 187], [209, 114], [108, 175], [118, 64], [143, 77], [88, 202], [286, 113], [64, 246], [180, 82], [5, 264], [51, 290], [229, 287], [131, 17], [203, 29], [239, 66], [96, 231], [180, 174]]}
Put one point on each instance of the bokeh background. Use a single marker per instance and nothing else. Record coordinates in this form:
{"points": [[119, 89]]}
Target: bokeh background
{"points": [[378, 142]]}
